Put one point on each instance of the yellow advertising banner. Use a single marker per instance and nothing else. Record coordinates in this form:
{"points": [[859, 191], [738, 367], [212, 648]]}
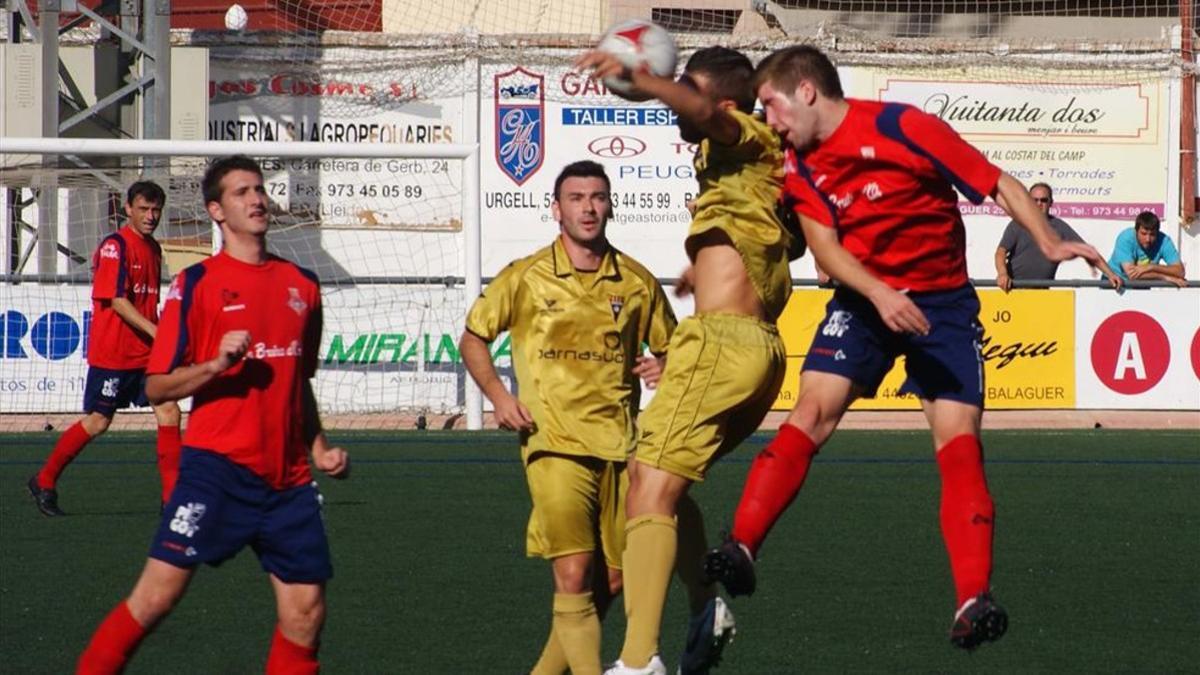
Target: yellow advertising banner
{"points": [[1028, 350]]}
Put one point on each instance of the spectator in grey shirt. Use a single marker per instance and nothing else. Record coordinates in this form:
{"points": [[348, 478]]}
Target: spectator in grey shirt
{"points": [[1018, 256]]}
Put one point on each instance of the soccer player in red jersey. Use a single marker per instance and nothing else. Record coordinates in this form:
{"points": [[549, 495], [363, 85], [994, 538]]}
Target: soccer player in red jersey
{"points": [[873, 184], [240, 334], [127, 267]]}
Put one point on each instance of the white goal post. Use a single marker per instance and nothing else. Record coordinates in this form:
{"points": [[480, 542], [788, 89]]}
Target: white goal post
{"points": [[34, 150]]}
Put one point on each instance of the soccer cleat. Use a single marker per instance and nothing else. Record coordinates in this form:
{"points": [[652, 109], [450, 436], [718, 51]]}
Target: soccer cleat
{"points": [[708, 633], [979, 620], [46, 500], [655, 667], [731, 564]]}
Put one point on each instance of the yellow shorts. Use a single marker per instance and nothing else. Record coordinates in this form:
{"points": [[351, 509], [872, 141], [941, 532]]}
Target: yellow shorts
{"points": [[723, 374], [577, 501]]}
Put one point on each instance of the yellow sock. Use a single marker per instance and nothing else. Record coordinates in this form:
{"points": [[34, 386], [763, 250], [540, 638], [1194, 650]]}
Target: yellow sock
{"points": [[650, 543], [693, 544], [553, 660], [576, 629]]}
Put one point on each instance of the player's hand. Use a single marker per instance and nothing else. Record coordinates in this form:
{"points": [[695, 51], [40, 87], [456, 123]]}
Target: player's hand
{"points": [[687, 282], [1180, 283], [1113, 279], [1004, 282], [650, 369], [900, 313], [510, 413], [1138, 271], [602, 65], [233, 347], [334, 462]]}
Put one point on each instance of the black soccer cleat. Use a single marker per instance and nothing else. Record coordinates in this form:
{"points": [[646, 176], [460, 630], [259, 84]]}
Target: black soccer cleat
{"points": [[46, 500], [731, 565], [979, 620]]}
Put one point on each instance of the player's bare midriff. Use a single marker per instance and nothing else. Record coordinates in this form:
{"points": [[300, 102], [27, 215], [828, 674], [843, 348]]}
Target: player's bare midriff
{"points": [[722, 284]]}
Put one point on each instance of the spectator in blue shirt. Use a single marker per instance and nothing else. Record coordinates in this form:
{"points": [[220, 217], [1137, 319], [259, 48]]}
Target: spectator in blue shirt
{"points": [[1143, 252]]}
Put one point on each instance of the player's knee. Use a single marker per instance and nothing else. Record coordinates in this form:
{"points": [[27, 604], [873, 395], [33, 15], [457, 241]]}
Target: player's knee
{"points": [[572, 573], [96, 424], [303, 619], [149, 605], [616, 582], [167, 414]]}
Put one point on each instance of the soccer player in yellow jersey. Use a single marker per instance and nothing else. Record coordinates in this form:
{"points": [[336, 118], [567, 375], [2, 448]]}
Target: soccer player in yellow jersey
{"points": [[726, 362], [579, 312]]}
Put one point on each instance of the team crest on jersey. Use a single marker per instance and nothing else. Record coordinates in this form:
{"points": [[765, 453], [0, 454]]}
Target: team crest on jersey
{"points": [[520, 123], [110, 250], [616, 302], [296, 302]]}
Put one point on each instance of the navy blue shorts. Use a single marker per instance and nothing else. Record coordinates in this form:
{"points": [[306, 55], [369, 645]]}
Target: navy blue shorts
{"points": [[106, 390], [854, 342], [219, 507]]}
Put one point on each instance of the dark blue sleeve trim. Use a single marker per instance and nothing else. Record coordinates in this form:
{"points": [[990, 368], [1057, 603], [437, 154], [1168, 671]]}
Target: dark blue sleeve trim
{"points": [[120, 290], [803, 172], [191, 277], [888, 124], [310, 275]]}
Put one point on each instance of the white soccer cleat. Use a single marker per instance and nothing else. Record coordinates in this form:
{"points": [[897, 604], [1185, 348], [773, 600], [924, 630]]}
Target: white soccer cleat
{"points": [[655, 667], [708, 633]]}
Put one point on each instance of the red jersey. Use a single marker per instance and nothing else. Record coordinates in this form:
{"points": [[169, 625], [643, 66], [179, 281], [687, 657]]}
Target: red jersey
{"points": [[252, 413], [125, 265], [885, 180]]}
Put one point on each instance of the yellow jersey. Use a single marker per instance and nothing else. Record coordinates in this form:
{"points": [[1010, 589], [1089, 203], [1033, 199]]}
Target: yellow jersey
{"points": [[739, 187], [575, 341]]}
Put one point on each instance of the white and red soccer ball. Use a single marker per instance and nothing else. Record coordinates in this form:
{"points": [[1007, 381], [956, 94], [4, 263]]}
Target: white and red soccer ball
{"points": [[634, 42]]}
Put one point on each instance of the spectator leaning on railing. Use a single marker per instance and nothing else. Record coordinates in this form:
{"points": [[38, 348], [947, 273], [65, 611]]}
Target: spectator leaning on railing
{"points": [[1018, 256], [1144, 252]]}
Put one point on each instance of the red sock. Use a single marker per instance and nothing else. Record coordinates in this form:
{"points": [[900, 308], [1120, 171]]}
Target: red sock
{"points": [[289, 658], [966, 514], [168, 459], [112, 644], [66, 449], [775, 477]]}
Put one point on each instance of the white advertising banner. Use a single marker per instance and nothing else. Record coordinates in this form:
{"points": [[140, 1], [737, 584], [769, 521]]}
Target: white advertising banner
{"points": [[1138, 350], [43, 348], [537, 119]]}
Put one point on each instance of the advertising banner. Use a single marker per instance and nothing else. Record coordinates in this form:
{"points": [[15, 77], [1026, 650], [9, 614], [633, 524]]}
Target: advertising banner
{"points": [[43, 348], [1138, 350], [1099, 139], [1027, 348]]}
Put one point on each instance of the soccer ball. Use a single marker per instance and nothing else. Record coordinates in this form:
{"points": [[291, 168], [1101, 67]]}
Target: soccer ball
{"points": [[634, 42], [235, 17]]}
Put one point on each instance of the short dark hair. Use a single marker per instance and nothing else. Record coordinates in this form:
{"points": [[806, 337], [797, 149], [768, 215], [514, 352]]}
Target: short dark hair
{"points": [[211, 185], [584, 168], [785, 69], [729, 72], [1146, 220], [1049, 189], [148, 190]]}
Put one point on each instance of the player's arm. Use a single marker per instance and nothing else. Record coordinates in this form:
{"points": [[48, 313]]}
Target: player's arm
{"points": [[129, 314], [896, 309], [686, 101], [1002, 279], [183, 381], [510, 413], [334, 461], [1012, 196], [1151, 271]]}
